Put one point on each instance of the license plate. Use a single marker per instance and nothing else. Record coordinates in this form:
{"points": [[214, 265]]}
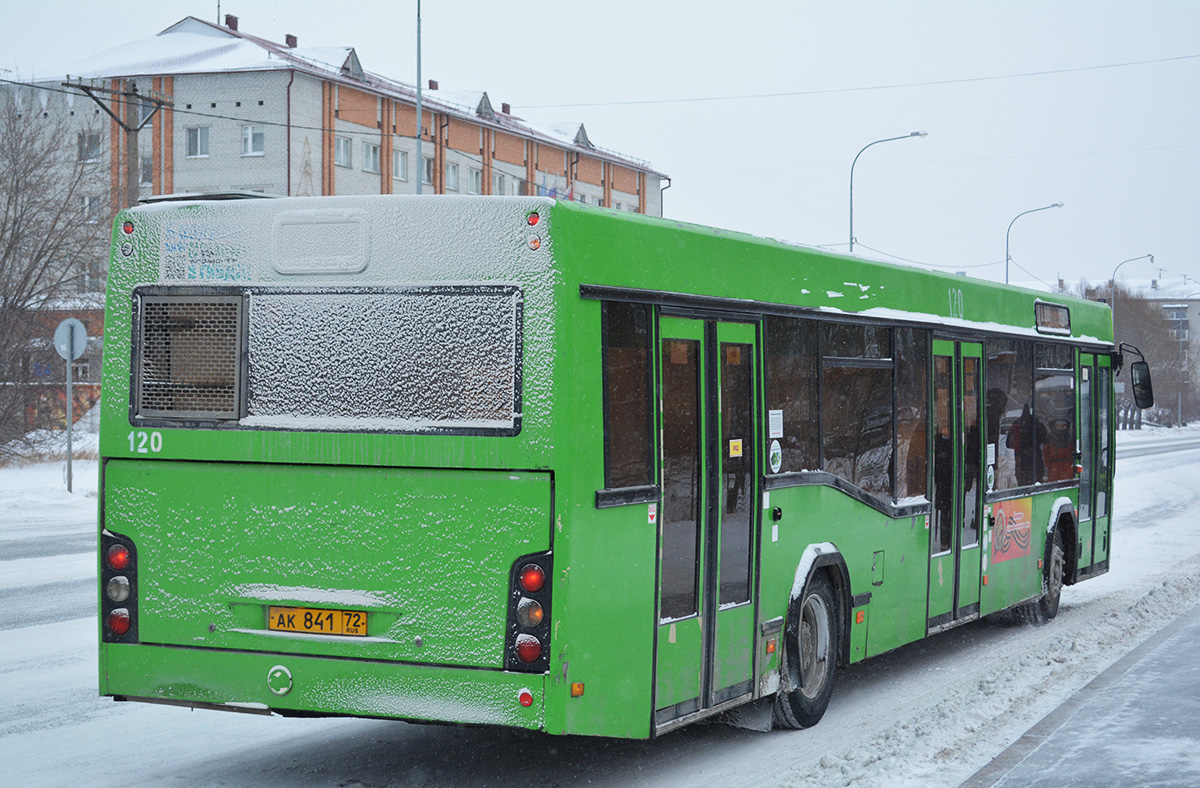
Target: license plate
{"points": [[316, 621]]}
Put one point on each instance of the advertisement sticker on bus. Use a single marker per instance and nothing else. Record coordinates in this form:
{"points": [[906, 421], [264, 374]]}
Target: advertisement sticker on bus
{"points": [[1011, 530]]}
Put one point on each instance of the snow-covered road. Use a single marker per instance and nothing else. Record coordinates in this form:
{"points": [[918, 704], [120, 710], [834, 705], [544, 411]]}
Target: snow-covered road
{"points": [[929, 714]]}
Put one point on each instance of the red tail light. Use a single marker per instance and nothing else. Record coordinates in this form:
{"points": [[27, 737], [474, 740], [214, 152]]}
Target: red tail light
{"points": [[118, 621], [532, 578], [118, 588], [118, 557], [529, 613], [529, 648]]}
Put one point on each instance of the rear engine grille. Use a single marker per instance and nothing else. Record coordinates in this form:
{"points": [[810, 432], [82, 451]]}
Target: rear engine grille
{"points": [[190, 349]]}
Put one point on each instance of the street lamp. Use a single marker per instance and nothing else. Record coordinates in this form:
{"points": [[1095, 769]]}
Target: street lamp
{"points": [[876, 142], [1007, 256], [1112, 283]]}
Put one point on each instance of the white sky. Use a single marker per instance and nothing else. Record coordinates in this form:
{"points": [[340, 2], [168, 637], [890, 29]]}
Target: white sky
{"points": [[1120, 147]]}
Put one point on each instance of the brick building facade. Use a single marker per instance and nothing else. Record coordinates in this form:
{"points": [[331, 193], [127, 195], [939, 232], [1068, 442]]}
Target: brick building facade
{"points": [[250, 114]]}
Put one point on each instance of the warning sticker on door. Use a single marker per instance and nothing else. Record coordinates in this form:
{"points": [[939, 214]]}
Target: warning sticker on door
{"points": [[775, 423], [735, 448], [652, 515]]}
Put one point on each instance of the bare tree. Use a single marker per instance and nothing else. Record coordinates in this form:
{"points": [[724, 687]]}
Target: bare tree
{"points": [[54, 219]]}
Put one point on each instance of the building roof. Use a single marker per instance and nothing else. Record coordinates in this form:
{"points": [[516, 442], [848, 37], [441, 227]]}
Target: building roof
{"points": [[195, 46]]}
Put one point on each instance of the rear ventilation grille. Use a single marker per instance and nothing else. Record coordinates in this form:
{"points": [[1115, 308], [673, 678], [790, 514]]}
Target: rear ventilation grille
{"points": [[189, 361]]}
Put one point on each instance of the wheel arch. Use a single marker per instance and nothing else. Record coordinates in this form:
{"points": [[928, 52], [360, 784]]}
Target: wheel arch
{"points": [[826, 557]]}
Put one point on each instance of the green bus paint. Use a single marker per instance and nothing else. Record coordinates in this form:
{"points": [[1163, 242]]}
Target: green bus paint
{"points": [[394, 405]]}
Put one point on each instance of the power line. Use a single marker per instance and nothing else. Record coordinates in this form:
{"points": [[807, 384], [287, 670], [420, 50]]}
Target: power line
{"points": [[922, 262], [1061, 154], [859, 89]]}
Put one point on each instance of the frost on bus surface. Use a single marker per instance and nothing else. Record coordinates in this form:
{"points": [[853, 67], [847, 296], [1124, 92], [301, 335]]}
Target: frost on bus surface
{"points": [[376, 551], [345, 244], [415, 359]]}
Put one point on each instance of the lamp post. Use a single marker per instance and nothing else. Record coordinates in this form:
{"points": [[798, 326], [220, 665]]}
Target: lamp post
{"points": [[1007, 256], [1112, 283], [876, 142]]}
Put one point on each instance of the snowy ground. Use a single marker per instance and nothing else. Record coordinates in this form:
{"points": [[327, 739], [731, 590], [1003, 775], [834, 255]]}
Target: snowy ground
{"points": [[929, 714]]}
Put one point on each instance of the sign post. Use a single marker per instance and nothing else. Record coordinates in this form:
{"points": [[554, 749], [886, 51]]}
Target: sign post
{"points": [[70, 340]]}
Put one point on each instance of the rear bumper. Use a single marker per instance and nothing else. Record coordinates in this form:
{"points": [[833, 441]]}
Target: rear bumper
{"points": [[249, 681]]}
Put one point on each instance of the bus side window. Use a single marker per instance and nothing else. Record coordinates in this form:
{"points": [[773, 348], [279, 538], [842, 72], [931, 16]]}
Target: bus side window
{"points": [[912, 387], [857, 430], [1054, 407], [792, 362], [625, 336], [1010, 411]]}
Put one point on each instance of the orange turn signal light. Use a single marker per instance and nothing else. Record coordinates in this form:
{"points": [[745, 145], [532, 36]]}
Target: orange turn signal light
{"points": [[985, 579], [577, 689], [860, 617], [771, 646]]}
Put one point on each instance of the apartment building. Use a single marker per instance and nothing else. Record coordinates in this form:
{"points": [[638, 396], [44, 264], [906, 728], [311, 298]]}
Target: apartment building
{"points": [[250, 114]]}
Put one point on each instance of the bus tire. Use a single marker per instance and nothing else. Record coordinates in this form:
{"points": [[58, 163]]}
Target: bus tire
{"points": [[1047, 606], [811, 637]]}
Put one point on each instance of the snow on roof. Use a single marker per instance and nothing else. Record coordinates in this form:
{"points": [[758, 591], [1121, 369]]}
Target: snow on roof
{"points": [[195, 46]]}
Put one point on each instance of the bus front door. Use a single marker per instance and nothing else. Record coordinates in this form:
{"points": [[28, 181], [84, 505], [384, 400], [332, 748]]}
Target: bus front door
{"points": [[705, 640], [1095, 395], [954, 551]]}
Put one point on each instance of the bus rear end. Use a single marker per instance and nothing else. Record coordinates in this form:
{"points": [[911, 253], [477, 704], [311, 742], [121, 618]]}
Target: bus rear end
{"points": [[305, 507]]}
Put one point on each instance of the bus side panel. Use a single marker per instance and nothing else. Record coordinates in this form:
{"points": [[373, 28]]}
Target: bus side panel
{"points": [[818, 513], [1015, 551], [605, 560]]}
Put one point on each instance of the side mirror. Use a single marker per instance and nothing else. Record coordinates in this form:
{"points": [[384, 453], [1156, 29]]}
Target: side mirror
{"points": [[1143, 390]]}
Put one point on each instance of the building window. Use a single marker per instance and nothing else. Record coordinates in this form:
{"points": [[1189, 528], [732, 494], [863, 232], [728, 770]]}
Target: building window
{"points": [[427, 174], [474, 181], [253, 140], [81, 370], [616, 205], [497, 183], [197, 141], [90, 209], [451, 176], [370, 157], [400, 165], [147, 178], [89, 146], [145, 109], [343, 152]]}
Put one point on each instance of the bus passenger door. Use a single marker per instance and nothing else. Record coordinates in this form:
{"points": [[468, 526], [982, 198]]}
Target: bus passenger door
{"points": [[705, 641], [1095, 392], [955, 555]]}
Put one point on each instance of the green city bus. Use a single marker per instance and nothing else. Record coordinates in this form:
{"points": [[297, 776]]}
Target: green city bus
{"points": [[524, 462]]}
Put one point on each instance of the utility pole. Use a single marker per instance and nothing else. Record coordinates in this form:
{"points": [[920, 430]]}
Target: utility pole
{"points": [[420, 169], [130, 124]]}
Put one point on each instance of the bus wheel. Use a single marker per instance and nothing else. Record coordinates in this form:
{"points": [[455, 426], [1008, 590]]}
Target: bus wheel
{"points": [[1047, 606], [810, 658]]}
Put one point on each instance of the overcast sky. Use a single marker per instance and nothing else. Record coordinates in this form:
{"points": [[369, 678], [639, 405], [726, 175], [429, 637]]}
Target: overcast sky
{"points": [[756, 109]]}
